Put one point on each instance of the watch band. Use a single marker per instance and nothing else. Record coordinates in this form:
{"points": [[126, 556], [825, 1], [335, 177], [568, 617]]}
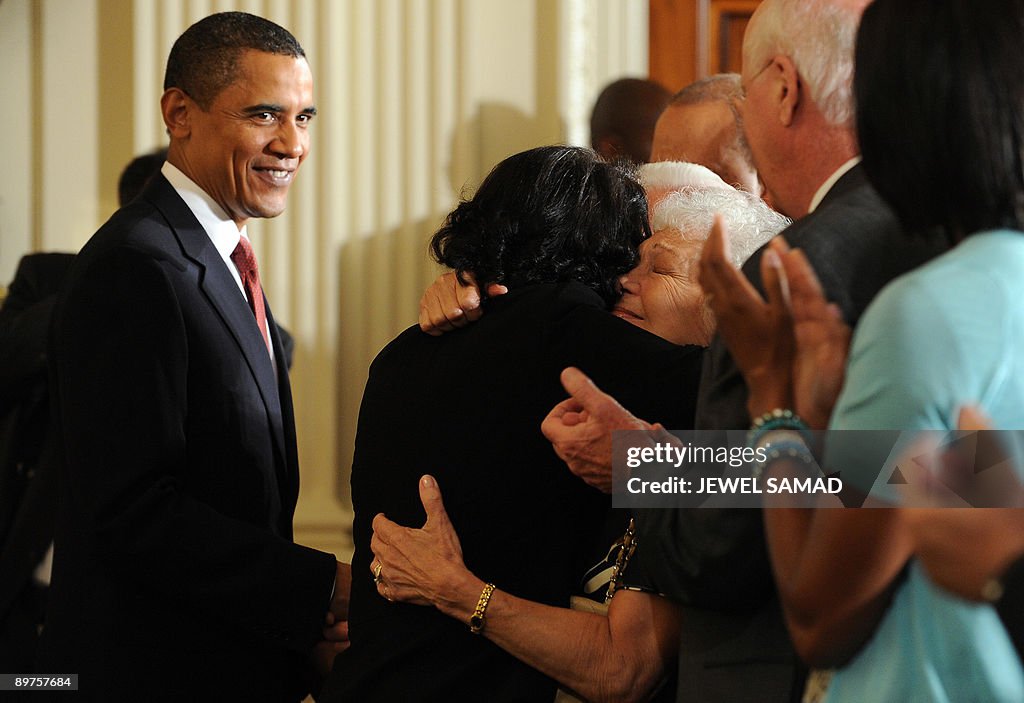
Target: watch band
{"points": [[477, 620]]}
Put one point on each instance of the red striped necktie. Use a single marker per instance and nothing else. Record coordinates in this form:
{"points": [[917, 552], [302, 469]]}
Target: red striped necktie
{"points": [[245, 261]]}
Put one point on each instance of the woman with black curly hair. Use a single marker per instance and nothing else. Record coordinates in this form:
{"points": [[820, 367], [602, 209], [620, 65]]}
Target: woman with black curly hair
{"points": [[558, 227]]}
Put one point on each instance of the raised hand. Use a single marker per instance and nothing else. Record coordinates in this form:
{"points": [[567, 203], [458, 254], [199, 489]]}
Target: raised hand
{"points": [[580, 429], [822, 343]]}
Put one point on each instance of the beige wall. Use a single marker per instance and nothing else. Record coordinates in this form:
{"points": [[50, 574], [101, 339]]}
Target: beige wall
{"points": [[417, 98]]}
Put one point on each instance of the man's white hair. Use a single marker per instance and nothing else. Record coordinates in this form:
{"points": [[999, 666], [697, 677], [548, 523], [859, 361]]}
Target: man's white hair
{"points": [[696, 195], [671, 175], [819, 36]]}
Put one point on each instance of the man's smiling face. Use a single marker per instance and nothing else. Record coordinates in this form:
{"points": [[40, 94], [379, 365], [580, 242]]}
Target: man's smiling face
{"points": [[245, 150]]}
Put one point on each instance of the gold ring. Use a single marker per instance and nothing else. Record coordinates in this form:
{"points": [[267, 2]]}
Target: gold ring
{"points": [[376, 573]]}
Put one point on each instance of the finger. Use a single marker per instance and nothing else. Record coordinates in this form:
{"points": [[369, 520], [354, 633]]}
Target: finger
{"points": [[712, 258], [972, 419], [717, 245], [431, 318], [780, 245], [424, 321], [466, 297], [377, 547], [384, 532], [496, 289], [424, 317], [336, 633], [433, 505], [596, 404], [572, 419], [450, 310], [800, 273], [560, 417], [776, 285], [726, 287], [438, 319], [806, 293], [569, 405], [584, 392]]}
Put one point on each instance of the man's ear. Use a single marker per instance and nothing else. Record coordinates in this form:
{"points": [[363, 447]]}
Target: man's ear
{"points": [[789, 88], [176, 108]]}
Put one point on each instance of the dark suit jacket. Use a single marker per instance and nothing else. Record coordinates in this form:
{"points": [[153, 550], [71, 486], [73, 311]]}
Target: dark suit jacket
{"points": [[175, 576], [28, 459], [467, 407], [734, 645]]}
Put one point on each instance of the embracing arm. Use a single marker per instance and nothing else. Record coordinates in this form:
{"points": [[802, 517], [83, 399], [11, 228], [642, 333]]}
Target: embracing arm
{"points": [[618, 658], [449, 304]]}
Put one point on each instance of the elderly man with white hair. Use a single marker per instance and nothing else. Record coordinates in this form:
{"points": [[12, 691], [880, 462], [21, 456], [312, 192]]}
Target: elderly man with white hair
{"points": [[628, 654]]}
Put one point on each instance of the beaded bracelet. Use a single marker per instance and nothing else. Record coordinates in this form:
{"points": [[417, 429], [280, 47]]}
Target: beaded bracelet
{"points": [[782, 444], [777, 419]]}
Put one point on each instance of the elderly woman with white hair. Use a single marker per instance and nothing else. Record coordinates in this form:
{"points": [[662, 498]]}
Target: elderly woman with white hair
{"points": [[662, 294], [628, 654]]}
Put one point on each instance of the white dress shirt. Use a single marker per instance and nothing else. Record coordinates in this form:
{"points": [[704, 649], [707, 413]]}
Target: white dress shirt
{"points": [[220, 228]]}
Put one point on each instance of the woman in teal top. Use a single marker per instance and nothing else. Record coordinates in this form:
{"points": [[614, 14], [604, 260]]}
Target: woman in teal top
{"points": [[940, 114], [948, 333], [940, 94]]}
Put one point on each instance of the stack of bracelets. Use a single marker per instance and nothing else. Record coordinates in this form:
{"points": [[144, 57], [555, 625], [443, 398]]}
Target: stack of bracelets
{"points": [[781, 434]]}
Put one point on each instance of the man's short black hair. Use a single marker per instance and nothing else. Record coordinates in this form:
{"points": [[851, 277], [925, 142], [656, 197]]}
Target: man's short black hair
{"points": [[204, 59], [940, 111], [549, 215]]}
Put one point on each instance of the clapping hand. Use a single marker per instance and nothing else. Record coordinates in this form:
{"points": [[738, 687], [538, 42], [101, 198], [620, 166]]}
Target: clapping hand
{"points": [[791, 347]]}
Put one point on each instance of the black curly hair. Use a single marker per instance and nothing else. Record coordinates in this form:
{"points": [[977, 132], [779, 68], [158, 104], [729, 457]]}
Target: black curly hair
{"points": [[548, 215]]}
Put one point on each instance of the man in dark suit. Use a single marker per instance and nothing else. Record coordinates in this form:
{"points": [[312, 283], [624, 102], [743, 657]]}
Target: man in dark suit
{"points": [[797, 63], [175, 575]]}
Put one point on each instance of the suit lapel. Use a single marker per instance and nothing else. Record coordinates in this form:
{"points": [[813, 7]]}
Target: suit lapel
{"points": [[223, 294], [288, 479]]}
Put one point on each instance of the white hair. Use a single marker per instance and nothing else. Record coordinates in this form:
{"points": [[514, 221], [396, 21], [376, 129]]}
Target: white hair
{"points": [[697, 194], [819, 36], [678, 174]]}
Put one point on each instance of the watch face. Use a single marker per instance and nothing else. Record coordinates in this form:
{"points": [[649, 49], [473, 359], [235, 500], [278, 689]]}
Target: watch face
{"points": [[476, 623]]}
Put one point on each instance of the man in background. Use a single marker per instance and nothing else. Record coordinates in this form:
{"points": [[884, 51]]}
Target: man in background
{"points": [[701, 125], [622, 121]]}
